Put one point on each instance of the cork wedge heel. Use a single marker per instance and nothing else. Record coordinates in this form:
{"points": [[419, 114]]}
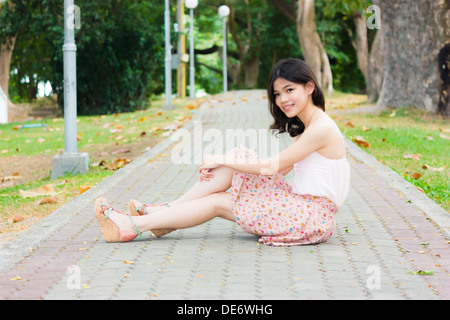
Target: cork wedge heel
{"points": [[111, 233]]}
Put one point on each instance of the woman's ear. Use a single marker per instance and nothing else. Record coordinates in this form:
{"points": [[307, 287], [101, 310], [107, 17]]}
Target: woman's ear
{"points": [[310, 87]]}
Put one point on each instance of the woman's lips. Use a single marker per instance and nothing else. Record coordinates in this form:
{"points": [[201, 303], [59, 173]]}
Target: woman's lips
{"points": [[288, 108]]}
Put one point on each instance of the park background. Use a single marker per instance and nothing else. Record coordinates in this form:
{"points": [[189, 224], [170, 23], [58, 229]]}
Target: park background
{"points": [[392, 55]]}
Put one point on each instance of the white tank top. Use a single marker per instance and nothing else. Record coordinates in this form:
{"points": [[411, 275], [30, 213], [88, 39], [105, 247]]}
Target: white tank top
{"points": [[320, 176]]}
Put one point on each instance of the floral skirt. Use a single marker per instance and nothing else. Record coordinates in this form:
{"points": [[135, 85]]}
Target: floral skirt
{"points": [[266, 206]]}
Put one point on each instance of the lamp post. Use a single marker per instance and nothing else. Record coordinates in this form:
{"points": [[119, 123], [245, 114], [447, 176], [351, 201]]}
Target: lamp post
{"points": [[168, 58], [192, 4], [71, 161], [224, 12]]}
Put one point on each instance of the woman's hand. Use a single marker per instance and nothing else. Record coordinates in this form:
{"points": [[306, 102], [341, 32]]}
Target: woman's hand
{"points": [[205, 175]]}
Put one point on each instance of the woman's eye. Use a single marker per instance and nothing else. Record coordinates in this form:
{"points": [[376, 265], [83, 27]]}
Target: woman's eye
{"points": [[290, 90]]}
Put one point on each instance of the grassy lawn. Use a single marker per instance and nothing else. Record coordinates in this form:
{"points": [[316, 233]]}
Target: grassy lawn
{"points": [[413, 143], [111, 141]]}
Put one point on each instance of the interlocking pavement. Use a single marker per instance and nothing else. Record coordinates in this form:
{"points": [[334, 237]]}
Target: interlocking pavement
{"points": [[391, 242]]}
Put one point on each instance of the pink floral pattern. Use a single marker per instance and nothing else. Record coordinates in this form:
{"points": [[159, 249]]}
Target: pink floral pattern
{"points": [[266, 206]]}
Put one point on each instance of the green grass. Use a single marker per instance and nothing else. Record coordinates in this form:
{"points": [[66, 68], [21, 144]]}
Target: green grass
{"points": [[394, 134], [92, 130], [95, 134]]}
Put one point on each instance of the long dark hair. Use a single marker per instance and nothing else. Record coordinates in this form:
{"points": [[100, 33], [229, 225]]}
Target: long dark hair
{"points": [[297, 71]]}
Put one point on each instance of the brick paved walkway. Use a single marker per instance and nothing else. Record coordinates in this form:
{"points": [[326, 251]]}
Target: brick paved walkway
{"points": [[383, 238]]}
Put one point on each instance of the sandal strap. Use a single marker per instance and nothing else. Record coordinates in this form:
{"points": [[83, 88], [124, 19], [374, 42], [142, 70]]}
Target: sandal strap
{"points": [[135, 226], [143, 206], [108, 211]]}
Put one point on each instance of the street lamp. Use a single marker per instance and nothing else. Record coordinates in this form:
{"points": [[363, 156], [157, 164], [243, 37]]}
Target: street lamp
{"points": [[71, 161], [168, 58], [192, 4], [224, 12]]}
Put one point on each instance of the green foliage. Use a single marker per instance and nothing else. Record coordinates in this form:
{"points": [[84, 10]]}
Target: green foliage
{"points": [[119, 59], [120, 54]]}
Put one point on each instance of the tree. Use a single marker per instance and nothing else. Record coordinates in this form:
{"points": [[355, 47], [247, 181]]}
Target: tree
{"points": [[365, 39], [312, 48], [414, 33], [8, 34]]}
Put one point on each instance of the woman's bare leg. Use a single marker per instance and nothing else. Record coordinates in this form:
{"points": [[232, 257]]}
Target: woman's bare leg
{"points": [[190, 213], [219, 183]]}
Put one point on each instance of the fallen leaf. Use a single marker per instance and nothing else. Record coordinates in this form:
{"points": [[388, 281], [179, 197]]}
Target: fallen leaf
{"points": [[425, 166], [17, 219], [9, 178], [101, 163], [364, 128], [128, 262], [350, 124], [142, 119], [117, 164], [361, 142], [47, 200], [416, 175], [444, 136], [121, 151], [40, 140], [423, 272], [84, 189], [413, 156], [45, 190]]}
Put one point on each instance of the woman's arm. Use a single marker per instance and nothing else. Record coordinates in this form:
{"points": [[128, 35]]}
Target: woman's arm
{"points": [[313, 139]]}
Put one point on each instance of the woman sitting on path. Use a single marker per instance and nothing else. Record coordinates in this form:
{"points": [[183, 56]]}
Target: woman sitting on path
{"points": [[260, 200]]}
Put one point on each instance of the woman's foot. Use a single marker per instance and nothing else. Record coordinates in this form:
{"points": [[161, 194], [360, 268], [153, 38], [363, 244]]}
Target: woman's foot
{"points": [[138, 208], [115, 225]]}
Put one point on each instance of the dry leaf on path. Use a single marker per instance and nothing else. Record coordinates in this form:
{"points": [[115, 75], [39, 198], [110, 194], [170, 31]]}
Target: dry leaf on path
{"points": [[84, 189]]}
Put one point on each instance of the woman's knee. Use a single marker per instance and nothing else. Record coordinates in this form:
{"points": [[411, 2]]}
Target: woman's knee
{"points": [[222, 204]]}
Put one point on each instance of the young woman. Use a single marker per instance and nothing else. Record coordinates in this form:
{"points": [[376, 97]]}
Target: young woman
{"points": [[260, 200]]}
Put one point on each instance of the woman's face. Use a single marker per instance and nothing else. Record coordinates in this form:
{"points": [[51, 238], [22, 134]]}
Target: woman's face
{"points": [[292, 98]]}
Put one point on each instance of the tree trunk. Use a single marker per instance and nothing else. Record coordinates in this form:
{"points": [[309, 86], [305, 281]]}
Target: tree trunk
{"points": [[361, 45], [313, 50], [375, 67], [6, 50], [414, 32], [245, 66]]}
